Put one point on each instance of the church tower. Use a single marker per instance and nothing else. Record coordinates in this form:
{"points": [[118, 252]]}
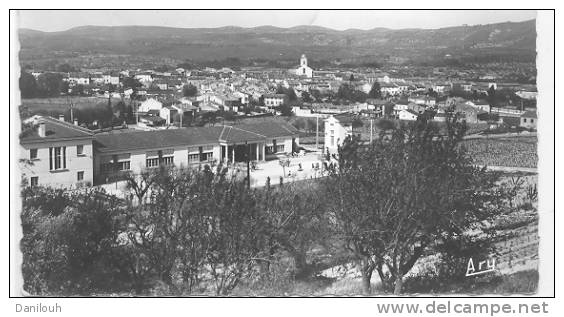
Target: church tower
{"points": [[303, 61]]}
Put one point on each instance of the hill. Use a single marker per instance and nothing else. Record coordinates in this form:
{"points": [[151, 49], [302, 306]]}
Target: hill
{"points": [[268, 42]]}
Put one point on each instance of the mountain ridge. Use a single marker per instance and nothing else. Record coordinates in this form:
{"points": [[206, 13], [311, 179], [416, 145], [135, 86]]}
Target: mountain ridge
{"points": [[272, 42]]}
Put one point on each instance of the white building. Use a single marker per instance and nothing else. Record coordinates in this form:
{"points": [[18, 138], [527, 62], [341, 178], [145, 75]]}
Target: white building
{"points": [[337, 128], [304, 70], [57, 154], [150, 104], [408, 114], [274, 100]]}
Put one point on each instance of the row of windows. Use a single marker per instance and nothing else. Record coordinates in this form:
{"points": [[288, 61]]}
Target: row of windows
{"points": [[34, 180], [33, 152], [200, 157], [113, 167], [273, 102]]}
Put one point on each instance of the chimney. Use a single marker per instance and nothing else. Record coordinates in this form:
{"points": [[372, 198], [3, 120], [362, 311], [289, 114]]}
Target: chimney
{"points": [[75, 121], [62, 117], [41, 129]]}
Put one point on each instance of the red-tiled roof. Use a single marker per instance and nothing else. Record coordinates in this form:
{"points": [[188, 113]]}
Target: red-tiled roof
{"points": [[55, 130]]}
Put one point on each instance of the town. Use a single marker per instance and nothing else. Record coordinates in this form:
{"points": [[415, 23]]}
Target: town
{"points": [[278, 161], [188, 115]]}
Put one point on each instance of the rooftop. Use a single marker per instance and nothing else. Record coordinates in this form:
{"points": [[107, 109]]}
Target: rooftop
{"points": [[529, 114], [140, 140], [55, 130]]}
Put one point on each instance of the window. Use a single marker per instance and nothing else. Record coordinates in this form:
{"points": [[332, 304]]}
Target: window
{"points": [[57, 158], [168, 160], [269, 149], [152, 162], [280, 148], [124, 166], [33, 154], [532, 120], [193, 158], [332, 141], [206, 157], [34, 181], [525, 120], [206, 153], [80, 150], [80, 176]]}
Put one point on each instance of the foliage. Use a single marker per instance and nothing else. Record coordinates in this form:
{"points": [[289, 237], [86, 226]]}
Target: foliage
{"points": [[28, 85], [189, 90], [400, 196], [46, 85], [375, 91], [68, 251], [296, 222], [348, 92]]}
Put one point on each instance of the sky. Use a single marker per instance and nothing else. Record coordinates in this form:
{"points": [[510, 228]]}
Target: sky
{"points": [[60, 20]]}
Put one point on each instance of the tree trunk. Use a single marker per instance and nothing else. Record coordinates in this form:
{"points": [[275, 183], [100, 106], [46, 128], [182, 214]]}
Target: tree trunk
{"points": [[385, 280], [366, 277], [366, 269], [300, 265], [398, 286]]}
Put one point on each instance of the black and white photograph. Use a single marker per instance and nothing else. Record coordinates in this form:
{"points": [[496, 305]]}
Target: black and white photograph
{"points": [[281, 153]]}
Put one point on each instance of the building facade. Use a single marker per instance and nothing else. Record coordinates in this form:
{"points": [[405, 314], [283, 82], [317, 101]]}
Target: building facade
{"points": [[337, 128], [304, 70], [57, 153]]}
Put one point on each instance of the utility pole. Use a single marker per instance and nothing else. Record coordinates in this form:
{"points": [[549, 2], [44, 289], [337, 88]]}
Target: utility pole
{"points": [[71, 114], [248, 164], [371, 120], [316, 132]]}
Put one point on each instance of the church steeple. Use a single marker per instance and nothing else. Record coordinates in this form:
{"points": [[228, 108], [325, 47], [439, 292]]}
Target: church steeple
{"points": [[303, 61]]}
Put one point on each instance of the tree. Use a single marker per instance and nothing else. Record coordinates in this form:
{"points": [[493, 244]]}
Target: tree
{"points": [[236, 233], [348, 92], [296, 222], [375, 91], [492, 95], [50, 84], [306, 97], [286, 110], [291, 94], [69, 249], [28, 85], [131, 82], [189, 90], [316, 94], [405, 194]]}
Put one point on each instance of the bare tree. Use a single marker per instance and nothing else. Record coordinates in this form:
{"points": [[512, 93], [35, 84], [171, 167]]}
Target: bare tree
{"points": [[398, 198], [295, 216]]}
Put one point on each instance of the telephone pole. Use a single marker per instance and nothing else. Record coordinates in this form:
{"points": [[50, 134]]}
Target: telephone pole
{"points": [[316, 132], [248, 156], [371, 120]]}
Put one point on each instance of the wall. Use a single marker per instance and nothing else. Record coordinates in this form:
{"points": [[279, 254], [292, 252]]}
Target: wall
{"points": [[341, 132], [138, 159], [61, 178]]}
